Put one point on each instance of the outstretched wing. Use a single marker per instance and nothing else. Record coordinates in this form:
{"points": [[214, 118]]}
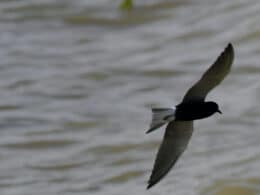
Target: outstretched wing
{"points": [[176, 138], [212, 77]]}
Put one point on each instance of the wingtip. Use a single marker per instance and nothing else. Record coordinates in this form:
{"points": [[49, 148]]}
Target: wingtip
{"points": [[230, 51], [151, 182], [149, 185], [230, 47]]}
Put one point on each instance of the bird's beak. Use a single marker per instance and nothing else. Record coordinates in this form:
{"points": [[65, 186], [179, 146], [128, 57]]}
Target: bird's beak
{"points": [[219, 111]]}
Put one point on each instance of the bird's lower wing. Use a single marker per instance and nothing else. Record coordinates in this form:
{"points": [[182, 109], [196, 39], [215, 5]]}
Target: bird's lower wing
{"points": [[176, 138]]}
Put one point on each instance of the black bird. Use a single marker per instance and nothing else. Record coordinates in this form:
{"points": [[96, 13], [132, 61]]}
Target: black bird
{"points": [[180, 118]]}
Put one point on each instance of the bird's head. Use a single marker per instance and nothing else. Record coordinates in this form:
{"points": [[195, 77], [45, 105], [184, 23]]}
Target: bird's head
{"points": [[214, 107]]}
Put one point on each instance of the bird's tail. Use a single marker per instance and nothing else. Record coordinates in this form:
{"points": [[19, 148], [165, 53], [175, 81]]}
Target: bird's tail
{"points": [[161, 116]]}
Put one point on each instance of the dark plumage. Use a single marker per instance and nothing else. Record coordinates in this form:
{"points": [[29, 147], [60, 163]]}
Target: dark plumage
{"points": [[180, 118], [195, 110]]}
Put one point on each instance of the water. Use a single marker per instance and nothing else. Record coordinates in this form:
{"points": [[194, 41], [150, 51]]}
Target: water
{"points": [[78, 79]]}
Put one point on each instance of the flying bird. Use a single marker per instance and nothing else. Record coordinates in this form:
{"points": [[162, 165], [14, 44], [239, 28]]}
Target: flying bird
{"points": [[180, 118]]}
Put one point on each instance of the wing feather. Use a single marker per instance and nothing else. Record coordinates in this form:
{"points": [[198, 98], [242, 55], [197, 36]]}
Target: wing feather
{"points": [[212, 77], [176, 138]]}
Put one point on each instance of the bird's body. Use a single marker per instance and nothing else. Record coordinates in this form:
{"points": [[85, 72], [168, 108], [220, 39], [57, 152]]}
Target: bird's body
{"points": [[195, 110], [180, 118]]}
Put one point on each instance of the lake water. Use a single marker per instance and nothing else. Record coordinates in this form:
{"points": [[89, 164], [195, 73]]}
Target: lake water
{"points": [[78, 79]]}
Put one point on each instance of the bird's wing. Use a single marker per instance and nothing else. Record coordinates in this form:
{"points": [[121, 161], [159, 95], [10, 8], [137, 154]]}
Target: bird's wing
{"points": [[212, 77], [175, 141]]}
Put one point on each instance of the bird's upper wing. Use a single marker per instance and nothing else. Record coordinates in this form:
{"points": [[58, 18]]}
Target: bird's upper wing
{"points": [[176, 138], [212, 77]]}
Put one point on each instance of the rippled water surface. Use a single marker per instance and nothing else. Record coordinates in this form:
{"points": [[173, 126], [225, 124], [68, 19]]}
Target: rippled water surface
{"points": [[78, 79]]}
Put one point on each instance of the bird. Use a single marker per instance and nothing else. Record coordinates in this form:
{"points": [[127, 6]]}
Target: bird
{"points": [[180, 117]]}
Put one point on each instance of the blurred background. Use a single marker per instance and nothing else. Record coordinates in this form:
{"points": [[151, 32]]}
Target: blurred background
{"points": [[78, 79]]}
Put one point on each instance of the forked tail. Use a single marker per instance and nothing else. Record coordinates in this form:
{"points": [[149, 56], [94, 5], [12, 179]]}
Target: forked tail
{"points": [[161, 116]]}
